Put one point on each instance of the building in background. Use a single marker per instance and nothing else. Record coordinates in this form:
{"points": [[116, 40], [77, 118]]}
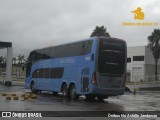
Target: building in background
{"points": [[141, 64]]}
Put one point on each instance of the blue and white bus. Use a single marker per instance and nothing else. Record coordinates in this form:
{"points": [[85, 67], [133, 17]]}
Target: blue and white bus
{"points": [[94, 67]]}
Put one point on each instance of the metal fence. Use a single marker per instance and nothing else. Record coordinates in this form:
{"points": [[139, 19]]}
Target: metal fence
{"points": [[147, 78], [16, 73]]}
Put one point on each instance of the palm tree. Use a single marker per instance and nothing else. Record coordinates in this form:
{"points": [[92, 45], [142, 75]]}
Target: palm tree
{"points": [[4, 60], [20, 59], [14, 60], [154, 45], [100, 31], [1, 60]]}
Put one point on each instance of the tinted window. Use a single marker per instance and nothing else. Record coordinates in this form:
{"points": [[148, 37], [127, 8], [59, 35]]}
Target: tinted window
{"points": [[73, 49], [35, 74], [31, 56], [56, 72], [40, 73], [48, 73], [86, 47], [59, 51], [46, 53], [28, 68], [111, 56], [128, 60], [138, 58], [37, 55]]}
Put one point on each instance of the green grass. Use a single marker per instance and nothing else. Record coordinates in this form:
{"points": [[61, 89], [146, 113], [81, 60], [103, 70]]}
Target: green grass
{"points": [[151, 89]]}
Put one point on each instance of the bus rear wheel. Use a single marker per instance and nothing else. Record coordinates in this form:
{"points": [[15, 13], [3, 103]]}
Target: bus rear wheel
{"points": [[33, 88], [64, 90], [90, 97], [73, 94], [101, 97], [55, 93]]}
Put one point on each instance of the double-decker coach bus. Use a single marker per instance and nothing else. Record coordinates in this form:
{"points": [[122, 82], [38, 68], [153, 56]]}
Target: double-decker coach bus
{"points": [[93, 67]]}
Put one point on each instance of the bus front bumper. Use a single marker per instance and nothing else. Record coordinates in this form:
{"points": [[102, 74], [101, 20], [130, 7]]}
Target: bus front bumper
{"points": [[27, 85]]}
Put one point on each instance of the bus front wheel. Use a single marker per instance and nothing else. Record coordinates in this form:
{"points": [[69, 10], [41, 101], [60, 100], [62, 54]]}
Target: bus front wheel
{"points": [[73, 94], [33, 88], [64, 90]]}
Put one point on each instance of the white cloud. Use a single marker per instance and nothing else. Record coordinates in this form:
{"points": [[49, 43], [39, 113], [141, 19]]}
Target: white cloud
{"points": [[32, 24]]}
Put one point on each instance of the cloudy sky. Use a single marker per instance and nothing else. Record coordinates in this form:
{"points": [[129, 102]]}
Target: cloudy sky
{"points": [[31, 24]]}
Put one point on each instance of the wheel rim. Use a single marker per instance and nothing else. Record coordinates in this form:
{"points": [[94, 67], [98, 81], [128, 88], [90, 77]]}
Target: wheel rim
{"points": [[64, 90]]}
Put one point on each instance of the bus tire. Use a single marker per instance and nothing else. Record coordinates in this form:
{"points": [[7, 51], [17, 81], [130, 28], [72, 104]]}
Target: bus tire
{"points": [[33, 88], [39, 91], [90, 97], [55, 93], [101, 97], [73, 94], [65, 90]]}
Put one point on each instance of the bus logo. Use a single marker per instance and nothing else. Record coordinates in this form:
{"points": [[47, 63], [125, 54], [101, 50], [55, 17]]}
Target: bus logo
{"points": [[138, 14], [6, 114]]}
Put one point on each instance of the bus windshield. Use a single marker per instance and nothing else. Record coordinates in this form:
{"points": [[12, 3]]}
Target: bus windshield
{"points": [[111, 56]]}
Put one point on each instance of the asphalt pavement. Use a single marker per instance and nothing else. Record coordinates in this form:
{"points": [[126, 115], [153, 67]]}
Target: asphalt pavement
{"points": [[46, 101]]}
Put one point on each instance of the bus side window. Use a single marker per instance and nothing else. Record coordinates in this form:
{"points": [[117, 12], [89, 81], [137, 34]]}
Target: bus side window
{"points": [[86, 47]]}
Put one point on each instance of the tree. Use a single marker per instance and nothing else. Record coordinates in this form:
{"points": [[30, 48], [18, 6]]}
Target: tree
{"points": [[154, 45], [20, 59], [14, 60], [100, 31], [3, 61]]}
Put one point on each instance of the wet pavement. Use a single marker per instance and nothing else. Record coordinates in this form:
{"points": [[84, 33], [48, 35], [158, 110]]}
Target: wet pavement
{"points": [[142, 101], [143, 85]]}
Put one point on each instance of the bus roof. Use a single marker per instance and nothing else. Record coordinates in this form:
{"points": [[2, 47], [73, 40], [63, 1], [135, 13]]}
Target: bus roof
{"points": [[65, 43], [91, 38]]}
